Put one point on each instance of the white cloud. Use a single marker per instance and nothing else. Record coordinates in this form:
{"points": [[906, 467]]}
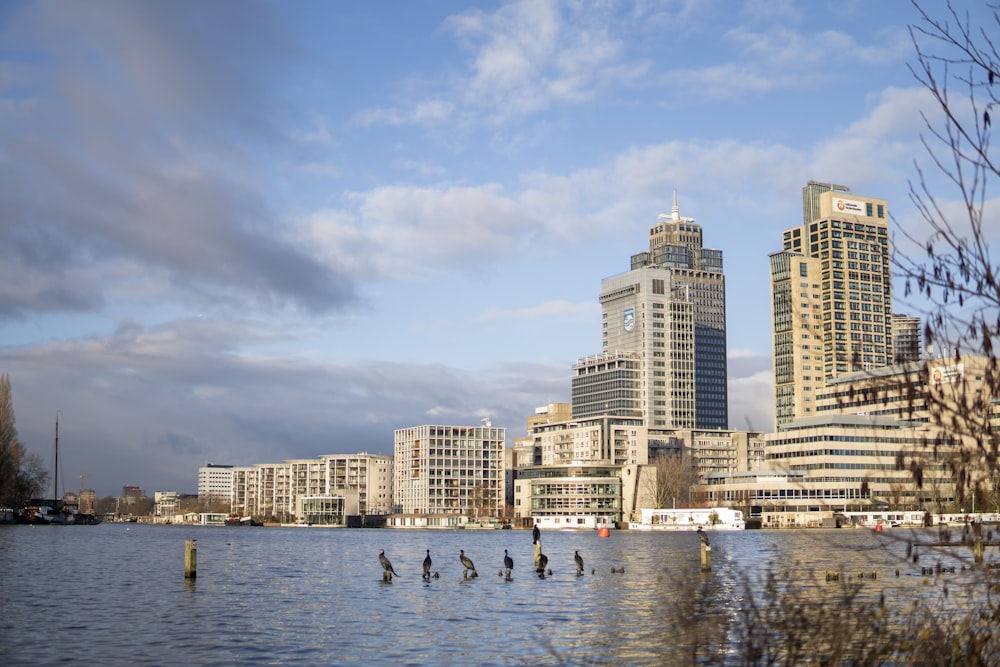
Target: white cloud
{"points": [[881, 146]]}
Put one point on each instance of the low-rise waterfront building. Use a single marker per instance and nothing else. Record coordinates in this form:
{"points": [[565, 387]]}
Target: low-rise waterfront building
{"points": [[841, 462], [334, 485]]}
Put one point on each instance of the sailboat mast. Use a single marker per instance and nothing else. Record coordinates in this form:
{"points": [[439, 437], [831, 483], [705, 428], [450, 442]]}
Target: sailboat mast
{"points": [[55, 470]]}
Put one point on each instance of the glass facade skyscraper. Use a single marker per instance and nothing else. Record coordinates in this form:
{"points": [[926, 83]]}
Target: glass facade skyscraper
{"points": [[669, 311]]}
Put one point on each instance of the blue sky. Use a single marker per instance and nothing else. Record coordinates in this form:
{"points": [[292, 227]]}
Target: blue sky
{"points": [[244, 232]]}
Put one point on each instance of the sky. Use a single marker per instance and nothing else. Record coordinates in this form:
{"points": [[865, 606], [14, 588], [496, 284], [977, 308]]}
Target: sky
{"points": [[245, 232]]}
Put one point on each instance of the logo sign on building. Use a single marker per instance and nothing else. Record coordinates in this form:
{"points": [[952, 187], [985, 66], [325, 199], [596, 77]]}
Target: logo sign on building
{"points": [[849, 206], [628, 319], [946, 374]]}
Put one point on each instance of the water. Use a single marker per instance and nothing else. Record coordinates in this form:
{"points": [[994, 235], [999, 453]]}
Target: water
{"points": [[115, 594]]}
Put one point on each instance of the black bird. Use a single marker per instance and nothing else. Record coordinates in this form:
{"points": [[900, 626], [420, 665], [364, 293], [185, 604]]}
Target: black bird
{"points": [[579, 562], [543, 560], [467, 563], [704, 536], [427, 565], [535, 534], [386, 565], [508, 562]]}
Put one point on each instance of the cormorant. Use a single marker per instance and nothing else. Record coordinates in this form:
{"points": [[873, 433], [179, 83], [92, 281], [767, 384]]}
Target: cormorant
{"points": [[508, 562], [543, 560], [704, 536], [467, 563], [535, 534], [579, 562], [427, 565], [386, 565]]}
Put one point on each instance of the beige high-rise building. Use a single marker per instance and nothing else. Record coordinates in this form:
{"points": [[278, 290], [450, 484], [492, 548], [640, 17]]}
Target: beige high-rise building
{"points": [[831, 296]]}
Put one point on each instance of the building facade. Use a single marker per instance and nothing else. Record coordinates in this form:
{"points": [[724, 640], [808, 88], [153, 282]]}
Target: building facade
{"points": [[449, 470], [311, 489], [570, 474], [215, 482], [831, 296], [607, 384], [669, 311], [906, 337]]}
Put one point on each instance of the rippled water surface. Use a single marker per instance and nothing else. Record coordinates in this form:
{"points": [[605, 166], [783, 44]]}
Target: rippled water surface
{"points": [[115, 594]]}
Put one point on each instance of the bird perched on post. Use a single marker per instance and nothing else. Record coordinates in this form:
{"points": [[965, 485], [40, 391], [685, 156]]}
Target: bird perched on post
{"points": [[535, 534], [543, 560], [508, 562], [427, 565], [386, 565], [467, 563], [579, 563], [704, 537]]}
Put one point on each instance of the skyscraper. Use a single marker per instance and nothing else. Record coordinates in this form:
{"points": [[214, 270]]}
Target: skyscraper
{"points": [[669, 311], [906, 338], [831, 296]]}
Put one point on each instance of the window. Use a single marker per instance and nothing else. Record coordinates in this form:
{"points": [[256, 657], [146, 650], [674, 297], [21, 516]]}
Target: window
{"points": [[803, 269]]}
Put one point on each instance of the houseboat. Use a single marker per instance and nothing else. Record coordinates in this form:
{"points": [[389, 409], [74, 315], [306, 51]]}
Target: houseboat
{"points": [[709, 518]]}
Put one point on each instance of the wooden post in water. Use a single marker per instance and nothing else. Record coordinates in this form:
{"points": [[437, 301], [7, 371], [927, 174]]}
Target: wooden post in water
{"points": [[538, 553], [190, 559], [977, 542], [706, 557]]}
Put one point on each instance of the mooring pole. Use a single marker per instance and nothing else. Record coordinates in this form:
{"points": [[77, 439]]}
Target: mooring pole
{"points": [[190, 559], [977, 542]]}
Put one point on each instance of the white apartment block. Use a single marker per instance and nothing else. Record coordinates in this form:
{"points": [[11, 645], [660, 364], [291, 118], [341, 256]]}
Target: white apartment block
{"points": [[279, 490], [215, 482], [450, 470]]}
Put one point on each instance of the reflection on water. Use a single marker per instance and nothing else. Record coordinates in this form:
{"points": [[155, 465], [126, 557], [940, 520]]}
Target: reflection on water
{"points": [[115, 594]]}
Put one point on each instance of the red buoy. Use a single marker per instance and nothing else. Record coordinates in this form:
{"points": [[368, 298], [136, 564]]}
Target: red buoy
{"points": [[603, 531]]}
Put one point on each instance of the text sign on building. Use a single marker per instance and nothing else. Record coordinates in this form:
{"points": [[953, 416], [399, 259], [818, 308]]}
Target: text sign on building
{"points": [[628, 319], [849, 206], [946, 374]]}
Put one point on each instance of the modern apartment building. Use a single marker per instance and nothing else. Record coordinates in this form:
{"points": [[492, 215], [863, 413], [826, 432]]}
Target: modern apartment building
{"points": [[831, 296], [712, 451], [669, 311], [450, 470], [571, 473], [328, 489]]}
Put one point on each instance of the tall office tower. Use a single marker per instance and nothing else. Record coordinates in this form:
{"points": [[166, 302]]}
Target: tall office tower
{"points": [[670, 311], [905, 338], [831, 296]]}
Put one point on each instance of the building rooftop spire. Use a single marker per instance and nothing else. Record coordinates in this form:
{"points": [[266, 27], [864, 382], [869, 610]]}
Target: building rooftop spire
{"points": [[676, 212]]}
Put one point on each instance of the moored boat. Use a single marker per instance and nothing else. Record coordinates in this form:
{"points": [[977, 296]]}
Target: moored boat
{"points": [[707, 518]]}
